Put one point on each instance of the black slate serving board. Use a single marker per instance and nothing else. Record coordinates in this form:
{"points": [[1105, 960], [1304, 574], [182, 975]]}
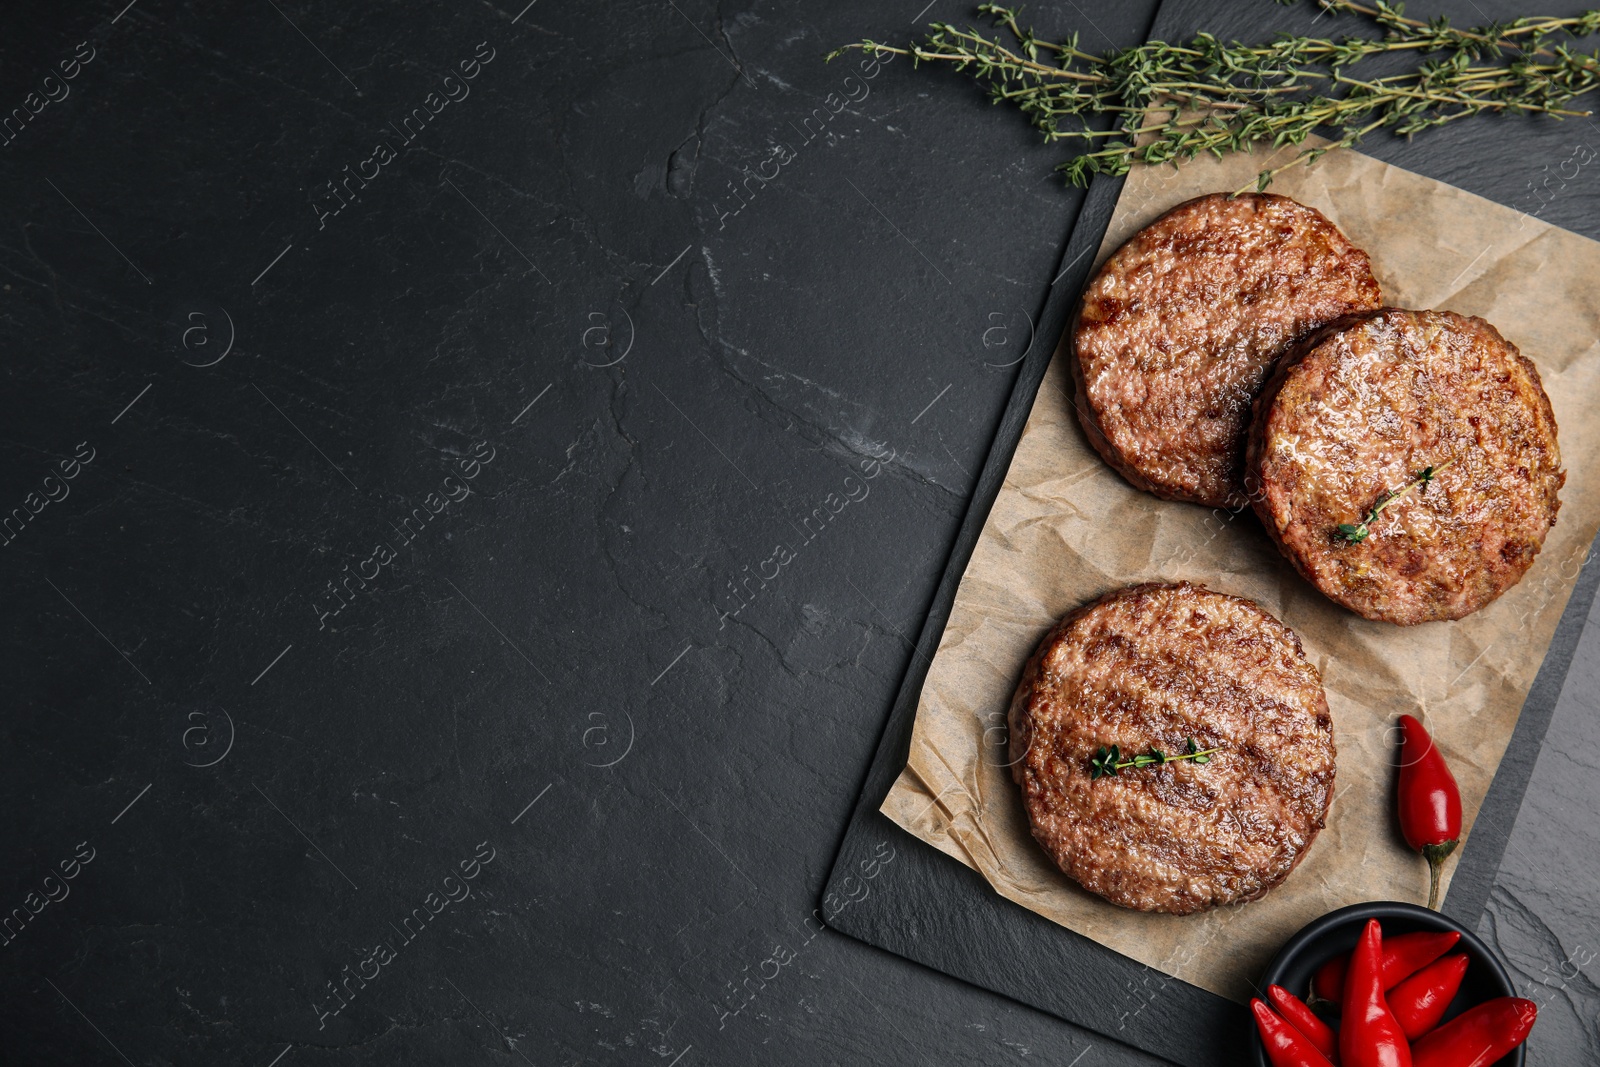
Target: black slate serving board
{"points": [[930, 908]]}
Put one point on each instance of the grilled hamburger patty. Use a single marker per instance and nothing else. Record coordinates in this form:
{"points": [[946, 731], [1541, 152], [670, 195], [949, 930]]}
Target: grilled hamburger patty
{"points": [[1151, 666], [1363, 407], [1182, 324]]}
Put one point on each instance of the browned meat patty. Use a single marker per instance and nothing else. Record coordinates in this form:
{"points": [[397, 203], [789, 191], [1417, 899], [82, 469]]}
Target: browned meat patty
{"points": [[1183, 323], [1359, 412], [1149, 667]]}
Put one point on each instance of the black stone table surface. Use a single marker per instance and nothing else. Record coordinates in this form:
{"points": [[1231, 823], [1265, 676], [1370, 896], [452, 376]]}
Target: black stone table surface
{"points": [[472, 470]]}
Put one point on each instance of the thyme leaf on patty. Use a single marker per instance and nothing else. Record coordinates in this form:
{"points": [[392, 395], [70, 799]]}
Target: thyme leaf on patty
{"points": [[1109, 760], [1357, 532]]}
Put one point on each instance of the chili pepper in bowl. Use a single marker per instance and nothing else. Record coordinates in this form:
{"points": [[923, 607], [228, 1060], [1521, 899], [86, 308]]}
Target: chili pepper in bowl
{"points": [[1303, 1019], [1430, 802], [1420, 1001], [1403, 956], [1286, 1046], [1478, 1037], [1369, 1036]]}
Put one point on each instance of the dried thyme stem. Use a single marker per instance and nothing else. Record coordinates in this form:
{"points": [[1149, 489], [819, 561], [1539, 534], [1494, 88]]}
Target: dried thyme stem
{"points": [[1169, 102]]}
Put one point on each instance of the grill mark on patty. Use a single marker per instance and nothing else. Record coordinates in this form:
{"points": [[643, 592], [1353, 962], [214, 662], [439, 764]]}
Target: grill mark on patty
{"points": [[1202, 710]]}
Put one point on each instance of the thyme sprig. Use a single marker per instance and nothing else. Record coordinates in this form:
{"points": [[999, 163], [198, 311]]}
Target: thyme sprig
{"points": [[1357, 532], [1109, 760], [1168, 102]]}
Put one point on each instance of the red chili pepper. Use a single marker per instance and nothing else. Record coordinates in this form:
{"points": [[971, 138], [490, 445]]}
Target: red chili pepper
{"points": [[1368, 1033], [1430, 802], [1403, 956], [1478, 1037], [1303, 1019], [1420, 1001], [1286, 1046]]}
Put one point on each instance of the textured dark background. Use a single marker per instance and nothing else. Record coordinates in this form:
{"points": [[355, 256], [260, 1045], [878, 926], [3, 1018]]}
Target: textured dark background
{"points": [[669, 387]]}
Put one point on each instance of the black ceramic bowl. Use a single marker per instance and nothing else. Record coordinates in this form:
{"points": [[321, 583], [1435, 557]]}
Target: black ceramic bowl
{"points": [[1338, 932]]}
